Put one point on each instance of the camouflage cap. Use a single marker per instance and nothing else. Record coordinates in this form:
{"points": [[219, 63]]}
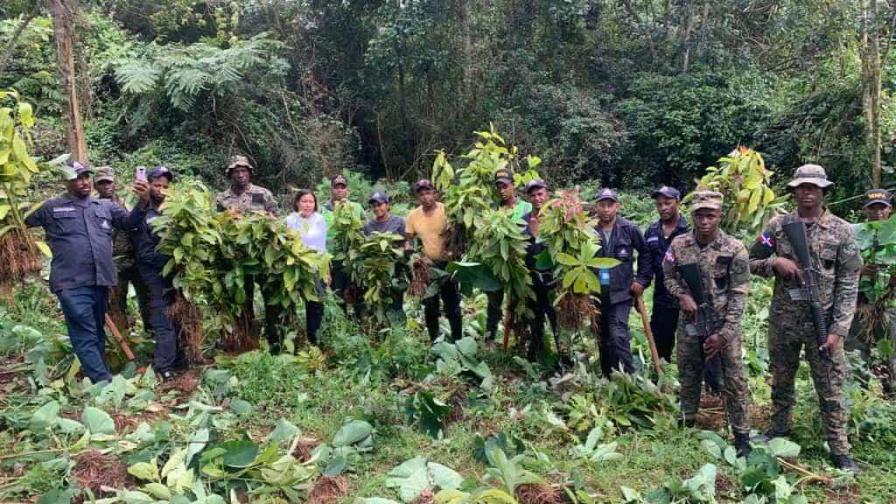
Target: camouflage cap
{"points": [[378, 197], [423, 184], [710, 200], [877, 197], [810, 174], [238, 161], [104, 174], [338, 179]]}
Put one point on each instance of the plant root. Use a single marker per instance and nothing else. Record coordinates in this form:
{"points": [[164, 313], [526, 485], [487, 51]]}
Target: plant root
{"points": [[328, 489], [188, 319], [540, 493], [574, 310], [420, 273], [21, 258], [94, 470]]}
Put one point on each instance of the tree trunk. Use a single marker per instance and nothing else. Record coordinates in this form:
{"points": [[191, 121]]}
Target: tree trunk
{"points": [[63, 14], [871, 85]]}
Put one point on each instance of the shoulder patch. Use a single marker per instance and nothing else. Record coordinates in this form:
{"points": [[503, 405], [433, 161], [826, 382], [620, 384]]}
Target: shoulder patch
{"points": [[767, 240], [669, 257]]}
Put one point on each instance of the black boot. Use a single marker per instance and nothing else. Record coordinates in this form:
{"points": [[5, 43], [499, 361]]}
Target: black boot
{"points": [[845, 463], [742, 445]]}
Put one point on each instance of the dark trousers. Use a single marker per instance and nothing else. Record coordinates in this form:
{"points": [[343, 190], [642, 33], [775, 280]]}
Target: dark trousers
{"points": [[615, 339], [314, 317], [449, 292], [168, 353], [84, 309], [272, 319], [341, 283], [118, 295], [664, 323], [542, 308]]}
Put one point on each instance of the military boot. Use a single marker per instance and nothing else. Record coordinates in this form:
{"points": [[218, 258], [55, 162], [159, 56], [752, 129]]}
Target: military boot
{"points": [[742, 444], [845, 463]]}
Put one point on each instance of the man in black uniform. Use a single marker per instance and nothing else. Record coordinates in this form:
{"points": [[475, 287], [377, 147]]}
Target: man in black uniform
{"points": [[123, 252], [542, 280], [79, 232], [150, 262], [620, 239]]}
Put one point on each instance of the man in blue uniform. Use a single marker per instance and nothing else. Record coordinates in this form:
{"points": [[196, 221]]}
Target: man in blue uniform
{"points": [[79, 232], [150, 262], [620, 239]]}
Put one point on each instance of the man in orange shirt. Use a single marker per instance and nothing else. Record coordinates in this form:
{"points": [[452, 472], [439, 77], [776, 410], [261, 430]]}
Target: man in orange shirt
{"points": [[429, 223]]}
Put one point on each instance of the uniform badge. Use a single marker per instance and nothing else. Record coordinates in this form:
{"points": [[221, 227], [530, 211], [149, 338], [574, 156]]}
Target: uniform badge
{"points": [[105, 224], [766, 240], [669, 257]]}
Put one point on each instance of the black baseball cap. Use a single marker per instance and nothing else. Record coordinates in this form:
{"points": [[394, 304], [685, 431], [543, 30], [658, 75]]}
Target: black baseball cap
{"points": [[607, 193], [160, 171], [338, 179], [378, 197], [423, 184], [504, 175], [668, 192], [877, 197]]}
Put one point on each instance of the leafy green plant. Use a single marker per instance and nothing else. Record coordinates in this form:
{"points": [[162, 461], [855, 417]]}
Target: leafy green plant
{"points": [[745, 182], [572, 247], [461, 357], [877, 243], [20, 250], [428, 411], [377, 265]]}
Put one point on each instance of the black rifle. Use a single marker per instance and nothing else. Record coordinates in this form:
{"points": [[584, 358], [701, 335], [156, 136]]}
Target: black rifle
{"points": [[706, 322], [799, 240]]}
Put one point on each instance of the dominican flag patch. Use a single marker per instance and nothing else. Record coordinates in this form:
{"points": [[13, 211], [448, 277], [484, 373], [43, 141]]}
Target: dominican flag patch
{"points": [[766, 240], [669, 257]]}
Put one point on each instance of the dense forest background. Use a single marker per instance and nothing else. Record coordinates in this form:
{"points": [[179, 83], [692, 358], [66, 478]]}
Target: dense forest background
{"points": [[628, 92]]}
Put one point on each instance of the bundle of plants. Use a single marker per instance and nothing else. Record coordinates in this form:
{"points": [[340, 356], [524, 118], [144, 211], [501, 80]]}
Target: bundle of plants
{"points": [[21, 252], [499, 246], [260, 248], [468, 192], [346, 237], [377, 264], [745, 183], [572, 247], [877, 244]]}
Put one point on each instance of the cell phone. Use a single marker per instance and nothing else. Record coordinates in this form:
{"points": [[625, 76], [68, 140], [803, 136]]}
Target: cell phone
{"points": [[141, 174]]}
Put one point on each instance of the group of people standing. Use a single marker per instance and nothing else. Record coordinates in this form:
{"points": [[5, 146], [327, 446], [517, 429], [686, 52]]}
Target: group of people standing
{"points": [[83, 231]]}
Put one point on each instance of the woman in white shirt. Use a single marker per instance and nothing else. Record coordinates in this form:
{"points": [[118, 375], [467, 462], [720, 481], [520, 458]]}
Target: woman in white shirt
{"points": [[312, 229]]}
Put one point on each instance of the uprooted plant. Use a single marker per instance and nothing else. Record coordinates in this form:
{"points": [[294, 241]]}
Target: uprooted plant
{"points": [[572, 250], [214, 256], [21, 252]]}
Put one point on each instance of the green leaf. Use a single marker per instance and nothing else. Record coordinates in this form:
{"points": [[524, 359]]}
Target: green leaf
{"points": [[44, 417], [240, 453], [285, 431], [352, 432], [146, 471], [784, 448], [241, 408], [197, 444], [97, 421]]}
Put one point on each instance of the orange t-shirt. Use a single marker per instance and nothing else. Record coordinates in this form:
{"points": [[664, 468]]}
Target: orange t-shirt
{"points": [[430, 228]]}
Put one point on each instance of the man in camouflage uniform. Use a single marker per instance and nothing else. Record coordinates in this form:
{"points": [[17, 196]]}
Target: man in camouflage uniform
{"points": [[863, 334], [242, 197], [725, 275], [125, 263], [837, 263]]}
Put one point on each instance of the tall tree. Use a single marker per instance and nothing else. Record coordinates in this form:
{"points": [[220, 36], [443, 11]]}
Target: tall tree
{"points": [[63, 12]]}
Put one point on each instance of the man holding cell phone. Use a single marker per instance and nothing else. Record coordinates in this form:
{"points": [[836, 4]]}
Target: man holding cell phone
{"points": [[79, 232]]}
